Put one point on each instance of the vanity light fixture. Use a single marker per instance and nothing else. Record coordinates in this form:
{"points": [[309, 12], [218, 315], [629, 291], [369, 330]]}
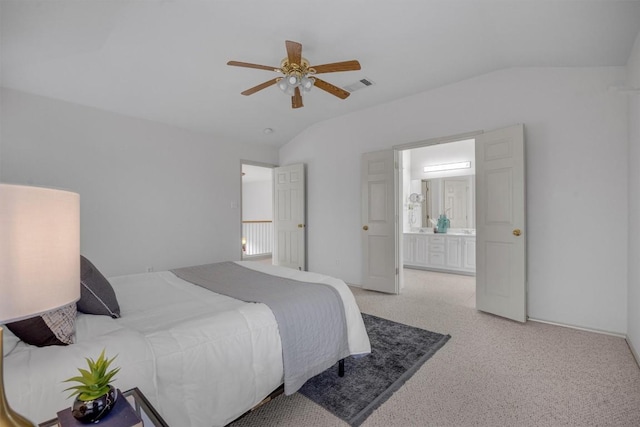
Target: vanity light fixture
{"points": [[447, 167]]}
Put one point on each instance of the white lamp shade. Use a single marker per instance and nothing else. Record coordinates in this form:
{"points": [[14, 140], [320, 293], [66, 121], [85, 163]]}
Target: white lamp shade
{"points": [[39, 250]]}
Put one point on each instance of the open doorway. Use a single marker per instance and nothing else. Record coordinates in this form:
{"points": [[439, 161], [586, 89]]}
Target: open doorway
{"points": [[500, 216], [257, 212], [438, 211]]}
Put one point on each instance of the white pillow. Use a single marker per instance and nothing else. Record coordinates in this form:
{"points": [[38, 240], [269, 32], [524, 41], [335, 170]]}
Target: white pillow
{"points": [[9, 340]]}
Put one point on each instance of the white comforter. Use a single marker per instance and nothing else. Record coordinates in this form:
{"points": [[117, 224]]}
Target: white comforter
{"points": [[201, 358]]}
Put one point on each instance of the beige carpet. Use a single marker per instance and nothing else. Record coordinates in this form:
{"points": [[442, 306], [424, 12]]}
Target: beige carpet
{"points": [[493, 372]]}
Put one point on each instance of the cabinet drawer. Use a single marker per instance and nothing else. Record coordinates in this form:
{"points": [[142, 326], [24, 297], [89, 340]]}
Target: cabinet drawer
{"points": [[436, 248], [436, 239], [436, 258]]}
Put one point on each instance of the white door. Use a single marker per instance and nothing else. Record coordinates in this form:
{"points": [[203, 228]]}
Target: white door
{"points": [[289, 217], [456, 194], [379, 243], [500, 229]]}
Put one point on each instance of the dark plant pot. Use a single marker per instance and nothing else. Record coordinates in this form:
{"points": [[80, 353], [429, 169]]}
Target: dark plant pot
{"points": [[92, 411]]}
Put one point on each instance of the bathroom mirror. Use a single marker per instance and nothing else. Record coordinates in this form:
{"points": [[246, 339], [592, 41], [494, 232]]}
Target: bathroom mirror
{"points": [[453, 196]]}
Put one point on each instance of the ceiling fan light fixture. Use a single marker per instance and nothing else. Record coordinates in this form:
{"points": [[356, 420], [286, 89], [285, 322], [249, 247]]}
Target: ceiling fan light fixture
{"points": [[307, 83], [294, 79]]}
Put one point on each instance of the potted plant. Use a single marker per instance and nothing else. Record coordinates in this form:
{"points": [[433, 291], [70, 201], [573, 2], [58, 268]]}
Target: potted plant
{"points": [[95, 396]]}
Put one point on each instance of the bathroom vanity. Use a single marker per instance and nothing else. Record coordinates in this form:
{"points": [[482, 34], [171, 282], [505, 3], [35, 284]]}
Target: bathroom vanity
{"points": [[453, 252]]}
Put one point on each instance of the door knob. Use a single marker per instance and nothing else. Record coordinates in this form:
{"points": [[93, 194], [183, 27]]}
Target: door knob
{"points": [[300, 225], [365, 228], [517, 232]]}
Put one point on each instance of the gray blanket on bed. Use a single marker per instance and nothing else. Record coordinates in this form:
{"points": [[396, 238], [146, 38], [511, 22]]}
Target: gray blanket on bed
{"points": [[311, 318]]}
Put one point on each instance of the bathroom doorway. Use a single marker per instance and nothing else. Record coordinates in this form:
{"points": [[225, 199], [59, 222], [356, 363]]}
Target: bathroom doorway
{"points": [[438, 208]]}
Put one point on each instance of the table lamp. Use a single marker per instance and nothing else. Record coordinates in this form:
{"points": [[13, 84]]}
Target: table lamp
{"points": [[39, 260]]}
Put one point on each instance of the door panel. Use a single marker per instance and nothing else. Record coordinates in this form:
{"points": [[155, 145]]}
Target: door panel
{"points": [[500, 230], [499, 197], [455, 201]]}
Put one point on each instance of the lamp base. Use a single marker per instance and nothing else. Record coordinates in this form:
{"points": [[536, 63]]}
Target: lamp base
{"points": [[9, 417], [13, 419]]}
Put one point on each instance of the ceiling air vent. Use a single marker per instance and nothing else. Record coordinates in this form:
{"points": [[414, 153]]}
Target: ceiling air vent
{"points": [[360, 84]]}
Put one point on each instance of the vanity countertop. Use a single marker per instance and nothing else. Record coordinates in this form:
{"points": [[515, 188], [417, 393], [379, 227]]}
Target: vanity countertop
{"points": [[470, 233]]}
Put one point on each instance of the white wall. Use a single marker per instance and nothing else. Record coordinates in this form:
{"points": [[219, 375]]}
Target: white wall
{"points": [[257, 201], [576, 148], [633, 76], [151, 194]]}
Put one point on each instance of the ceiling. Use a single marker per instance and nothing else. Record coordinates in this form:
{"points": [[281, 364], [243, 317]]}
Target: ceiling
{"points": [[166, 60]]}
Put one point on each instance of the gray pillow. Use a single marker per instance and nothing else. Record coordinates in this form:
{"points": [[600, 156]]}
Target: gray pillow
{"points": [[96, 294]]}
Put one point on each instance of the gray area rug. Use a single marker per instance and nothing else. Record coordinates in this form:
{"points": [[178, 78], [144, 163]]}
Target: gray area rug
{"points": [[397, 352]]}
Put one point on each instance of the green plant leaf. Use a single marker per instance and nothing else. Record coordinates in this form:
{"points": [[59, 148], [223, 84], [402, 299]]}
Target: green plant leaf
{"points": [[95, 381]]}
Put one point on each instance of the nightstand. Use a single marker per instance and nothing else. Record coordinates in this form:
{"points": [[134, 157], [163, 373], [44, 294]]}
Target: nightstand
{"points": [[138, 401]]}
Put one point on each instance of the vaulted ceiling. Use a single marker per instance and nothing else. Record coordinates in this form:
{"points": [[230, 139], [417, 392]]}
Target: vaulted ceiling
{"points": [[166, 60]]}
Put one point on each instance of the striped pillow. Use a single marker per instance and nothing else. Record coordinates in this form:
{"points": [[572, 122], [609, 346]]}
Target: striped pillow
{"points": [[56, 327]]}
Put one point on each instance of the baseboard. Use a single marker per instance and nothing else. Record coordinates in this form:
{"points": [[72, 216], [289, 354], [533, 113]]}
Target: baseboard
{"points": [[580, 328], [440, 270], [633, 351], [255, 257]]}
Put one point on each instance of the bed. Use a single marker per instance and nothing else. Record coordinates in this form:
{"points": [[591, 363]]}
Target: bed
{"points": [[200, 357]]}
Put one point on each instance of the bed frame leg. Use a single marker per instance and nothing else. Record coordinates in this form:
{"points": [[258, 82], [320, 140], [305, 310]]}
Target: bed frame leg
{"points": [[341, 368]]}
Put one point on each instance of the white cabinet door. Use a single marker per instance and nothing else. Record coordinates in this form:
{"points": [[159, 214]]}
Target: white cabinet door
{"points": [[453, 250], [469, 254], [415, 248], [422, 253], [408, 249]]}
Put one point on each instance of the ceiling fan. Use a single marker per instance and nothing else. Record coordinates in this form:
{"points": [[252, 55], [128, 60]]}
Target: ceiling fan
{"points": [[299, 75]]}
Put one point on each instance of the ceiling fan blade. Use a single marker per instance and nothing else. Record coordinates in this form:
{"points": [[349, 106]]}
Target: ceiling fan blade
{"points": [[337, 66], [333, 90], [296, 99], [294, 52], [260, 86], [248, 65]]}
